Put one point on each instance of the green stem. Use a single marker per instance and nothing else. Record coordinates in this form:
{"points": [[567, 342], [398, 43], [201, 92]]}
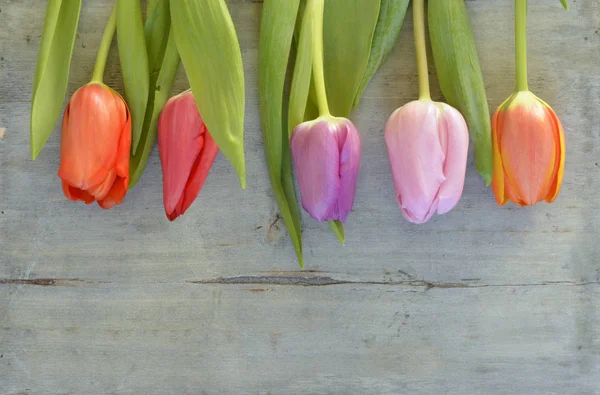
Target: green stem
{"points": [[421, 49], [317, 7], [521, 44], [107, 38]]}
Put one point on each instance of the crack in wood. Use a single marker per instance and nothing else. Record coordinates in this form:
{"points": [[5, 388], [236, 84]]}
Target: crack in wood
{"points": [[48, 282], [324, 280], [294, 280]]}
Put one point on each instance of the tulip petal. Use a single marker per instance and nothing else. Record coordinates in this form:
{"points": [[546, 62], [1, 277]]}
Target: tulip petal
{"points": [[559, 166], [75, 194], [115, 195], [498, 178], [187, 152], [416, 158], [180, 142], [121, 184], [527, 138], [100, 191], [90, 135], [454, 138], [199, 174], [349, 146], [316, 157]]}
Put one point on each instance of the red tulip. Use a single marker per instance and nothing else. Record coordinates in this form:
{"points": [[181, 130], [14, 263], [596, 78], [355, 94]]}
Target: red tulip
{"points": [[187, 152], [94, 152]]}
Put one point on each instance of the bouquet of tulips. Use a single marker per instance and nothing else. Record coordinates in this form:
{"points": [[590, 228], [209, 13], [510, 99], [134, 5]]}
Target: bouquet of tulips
{"points": [[316, 58], [106, 140]]}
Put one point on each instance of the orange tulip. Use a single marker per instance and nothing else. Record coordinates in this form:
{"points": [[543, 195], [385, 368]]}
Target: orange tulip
{"points": [[94, 152], [529, 151]]}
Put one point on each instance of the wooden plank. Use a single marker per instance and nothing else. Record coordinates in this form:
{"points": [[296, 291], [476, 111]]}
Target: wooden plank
{"points": [[481, 300], [339, 339]]}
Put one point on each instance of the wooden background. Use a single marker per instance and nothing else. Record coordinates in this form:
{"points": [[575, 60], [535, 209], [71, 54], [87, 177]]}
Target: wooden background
{"points": [[483, 300]]}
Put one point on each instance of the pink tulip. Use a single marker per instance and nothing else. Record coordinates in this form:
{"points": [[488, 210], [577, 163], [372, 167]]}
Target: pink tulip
{"points": [[326, 155], [427, 145], [187, 152]]}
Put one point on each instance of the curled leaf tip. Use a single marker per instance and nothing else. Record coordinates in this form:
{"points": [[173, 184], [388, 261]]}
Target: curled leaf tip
{"points": [[564, 4], [338, 230]]}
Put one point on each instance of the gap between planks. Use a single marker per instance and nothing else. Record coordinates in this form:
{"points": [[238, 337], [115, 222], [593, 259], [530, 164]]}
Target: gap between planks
{"points": [[296, 280]]}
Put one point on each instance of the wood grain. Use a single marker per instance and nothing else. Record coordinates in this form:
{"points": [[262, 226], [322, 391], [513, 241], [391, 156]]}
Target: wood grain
{"points": [[483, 300]]}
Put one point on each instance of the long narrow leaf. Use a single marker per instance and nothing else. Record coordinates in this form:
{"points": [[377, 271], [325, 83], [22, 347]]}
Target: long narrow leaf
{"points": [[210, 51], [164, 62], [389, 24], [460, 77], [156, 31], [276, 32], [301, 80], [52, 70], [161, 93], [348, 30], [338, 229], [134, 64], [151, 6], [564, 4]]}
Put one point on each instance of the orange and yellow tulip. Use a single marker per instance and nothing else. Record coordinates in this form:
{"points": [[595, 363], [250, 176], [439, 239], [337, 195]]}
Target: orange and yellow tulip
{"points": [[529, 151], [94, 152]]}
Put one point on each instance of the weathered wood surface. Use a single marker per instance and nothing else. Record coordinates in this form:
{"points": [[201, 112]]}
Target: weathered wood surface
{"points": [[482, 300]]}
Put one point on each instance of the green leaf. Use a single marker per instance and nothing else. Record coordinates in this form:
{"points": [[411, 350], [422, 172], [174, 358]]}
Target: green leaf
{"points": [[160, 94], [348, 30], [210, 51], [389, 24], [460, 77], [303, 85], [564, 4], [156, 31], [301, 80], [276, 31], [338, 229], [164, 62], [134, 64], [52, 69], [151, 6]]}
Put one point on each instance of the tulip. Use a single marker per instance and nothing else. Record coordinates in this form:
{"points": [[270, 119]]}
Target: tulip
{"points": [[187, 152], [326, 154], [529, 151], [94, 153], [528, 139], [427, 145]]}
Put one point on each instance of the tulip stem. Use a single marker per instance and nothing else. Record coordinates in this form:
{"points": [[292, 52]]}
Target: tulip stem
{"points": [[109, 32], [421, 48], [521, 44], [318, 69]]}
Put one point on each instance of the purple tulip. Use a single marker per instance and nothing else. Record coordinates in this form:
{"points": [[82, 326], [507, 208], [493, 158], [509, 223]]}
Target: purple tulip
{"points": [[427, 144], [326, 155]]}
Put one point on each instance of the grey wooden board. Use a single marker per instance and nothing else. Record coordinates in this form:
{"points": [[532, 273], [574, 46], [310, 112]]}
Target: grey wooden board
{"points": [[482, 300]]}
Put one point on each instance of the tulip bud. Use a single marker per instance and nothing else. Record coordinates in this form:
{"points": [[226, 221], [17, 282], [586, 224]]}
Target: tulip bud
{"points": [[326, 155], [187, 152], [529, 151], [427, 144], [94, 153]]}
